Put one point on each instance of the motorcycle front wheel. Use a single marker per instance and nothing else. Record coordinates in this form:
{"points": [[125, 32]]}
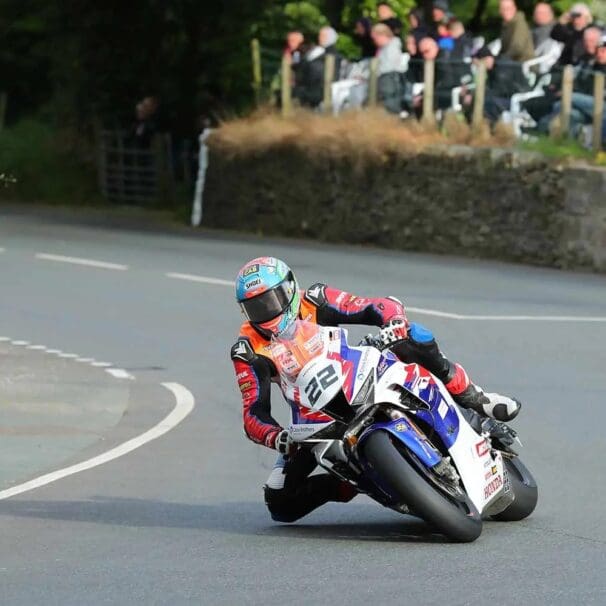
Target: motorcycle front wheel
{"points": [[455, 517]]}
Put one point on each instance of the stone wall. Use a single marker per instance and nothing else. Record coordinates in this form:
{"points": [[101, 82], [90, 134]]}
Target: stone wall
{"points": [[486, 203]]}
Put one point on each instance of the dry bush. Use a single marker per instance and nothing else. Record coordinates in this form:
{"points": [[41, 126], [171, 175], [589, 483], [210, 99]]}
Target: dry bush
{"points": [[363, 134], [456, 128], [503, 134], [358, 136]]}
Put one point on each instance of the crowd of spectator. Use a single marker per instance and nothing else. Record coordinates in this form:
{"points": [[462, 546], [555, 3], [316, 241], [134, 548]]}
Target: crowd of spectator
{"points": [[525, 58]]}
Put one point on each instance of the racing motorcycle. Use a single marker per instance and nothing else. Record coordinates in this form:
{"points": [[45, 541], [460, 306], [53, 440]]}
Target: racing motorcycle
{"points": [[394, 432]]}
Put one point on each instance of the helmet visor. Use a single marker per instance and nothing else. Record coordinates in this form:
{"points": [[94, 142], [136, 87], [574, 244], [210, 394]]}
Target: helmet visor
{"points": [[268, 305]]}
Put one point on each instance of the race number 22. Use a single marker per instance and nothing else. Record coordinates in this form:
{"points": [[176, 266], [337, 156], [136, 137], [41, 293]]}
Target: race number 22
{"points": [[324, 379]]}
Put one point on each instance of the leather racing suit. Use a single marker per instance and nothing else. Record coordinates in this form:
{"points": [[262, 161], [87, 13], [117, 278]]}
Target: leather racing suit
{"points": [[289, 492]]}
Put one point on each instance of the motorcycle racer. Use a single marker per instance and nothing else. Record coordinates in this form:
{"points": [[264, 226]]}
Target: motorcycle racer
{"points": [[271, 301]]}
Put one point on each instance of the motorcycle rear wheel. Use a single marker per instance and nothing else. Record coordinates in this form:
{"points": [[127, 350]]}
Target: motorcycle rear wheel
{"points": [[524, 489], [459, 521]]}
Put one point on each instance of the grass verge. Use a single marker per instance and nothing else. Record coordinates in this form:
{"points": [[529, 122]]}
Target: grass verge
{"points": [[41, 166]]}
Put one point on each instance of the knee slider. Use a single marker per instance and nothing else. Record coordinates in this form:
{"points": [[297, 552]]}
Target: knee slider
{"points": [[277, 503]]}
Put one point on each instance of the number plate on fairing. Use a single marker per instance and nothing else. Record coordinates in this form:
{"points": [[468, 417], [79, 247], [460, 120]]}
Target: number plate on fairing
{"points": [[319, 382]]}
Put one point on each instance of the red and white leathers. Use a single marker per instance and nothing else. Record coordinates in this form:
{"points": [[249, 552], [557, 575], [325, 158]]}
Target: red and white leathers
{"points": [[328, 306]]}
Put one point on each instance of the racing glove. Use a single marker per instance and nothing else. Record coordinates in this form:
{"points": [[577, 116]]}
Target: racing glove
{"points": [[393, 332], [284, 443]]}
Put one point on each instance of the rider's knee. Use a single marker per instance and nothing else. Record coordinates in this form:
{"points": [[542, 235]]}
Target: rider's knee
{"points": [[279, 504]]}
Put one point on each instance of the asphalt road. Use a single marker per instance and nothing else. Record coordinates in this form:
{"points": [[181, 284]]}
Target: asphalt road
{"points": [[181, 519]]}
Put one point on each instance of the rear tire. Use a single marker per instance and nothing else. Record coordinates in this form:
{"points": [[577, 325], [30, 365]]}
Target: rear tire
{"points": [[460, 522], [525, 490]]}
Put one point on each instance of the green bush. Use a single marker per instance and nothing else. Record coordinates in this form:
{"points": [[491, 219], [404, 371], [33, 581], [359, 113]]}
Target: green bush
{"points": [[45, 167]]}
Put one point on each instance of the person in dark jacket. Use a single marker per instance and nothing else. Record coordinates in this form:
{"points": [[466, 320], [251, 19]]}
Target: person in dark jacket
{"points": [[569, 30], [453, 65], [388, 17], [362, 37], [309, 72], [417, 28]]}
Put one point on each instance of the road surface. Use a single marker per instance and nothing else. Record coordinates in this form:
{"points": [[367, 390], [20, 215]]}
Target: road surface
{"points": [[179, 518]]}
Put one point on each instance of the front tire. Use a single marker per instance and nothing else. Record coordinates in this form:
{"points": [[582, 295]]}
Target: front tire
{"points": [[524, 489], [459, 521]]}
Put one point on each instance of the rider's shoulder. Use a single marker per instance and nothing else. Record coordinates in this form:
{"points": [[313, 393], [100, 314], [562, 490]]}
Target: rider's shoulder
{"points": [[316, 294], [248, 345], [242, 350]]}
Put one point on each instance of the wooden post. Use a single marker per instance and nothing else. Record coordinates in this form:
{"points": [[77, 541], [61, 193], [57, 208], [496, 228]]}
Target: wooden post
{"points": [[329, 76], [429, 70], [256, 69], [566, 103], [478, 103], [3, 101], [598, 111], [373, 83], [286, 88]]}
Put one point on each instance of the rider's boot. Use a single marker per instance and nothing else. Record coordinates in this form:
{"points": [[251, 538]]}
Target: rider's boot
{"points": [[496, 429], [494, 405]]}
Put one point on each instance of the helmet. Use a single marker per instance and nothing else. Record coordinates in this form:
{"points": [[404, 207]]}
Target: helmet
{"points": [[268, 294]]}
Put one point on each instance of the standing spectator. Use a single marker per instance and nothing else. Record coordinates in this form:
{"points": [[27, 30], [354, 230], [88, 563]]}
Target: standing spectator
{"points": [[544, 45], [309, 76], [544, 21], [417, 28], [309, 72], [146, 123], [388, 17], [362, 37], [389, 55], [569, 30], [294, 41], [439, 16], [516, 39], [327, 39]]}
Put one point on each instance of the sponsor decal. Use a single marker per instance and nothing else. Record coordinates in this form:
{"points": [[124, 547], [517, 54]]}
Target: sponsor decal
{"points": [[252, 283], [400, 427], [340, 298], [382, 367], [488, 475], [245, 386], [242, 375], [252, 269], [492, 487], [493, 470], [381, 306], [482, 448]]}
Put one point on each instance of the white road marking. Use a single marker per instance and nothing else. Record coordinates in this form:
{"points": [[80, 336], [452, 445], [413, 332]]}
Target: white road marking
{"points": [[5, 338], [67, 355], [203, 279], [54, 351], [425, 311], [101, 364], [184, 405], [20, 342], [119, 373], [85, 360], [81, 261], [520, 318], [36, 347]]}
